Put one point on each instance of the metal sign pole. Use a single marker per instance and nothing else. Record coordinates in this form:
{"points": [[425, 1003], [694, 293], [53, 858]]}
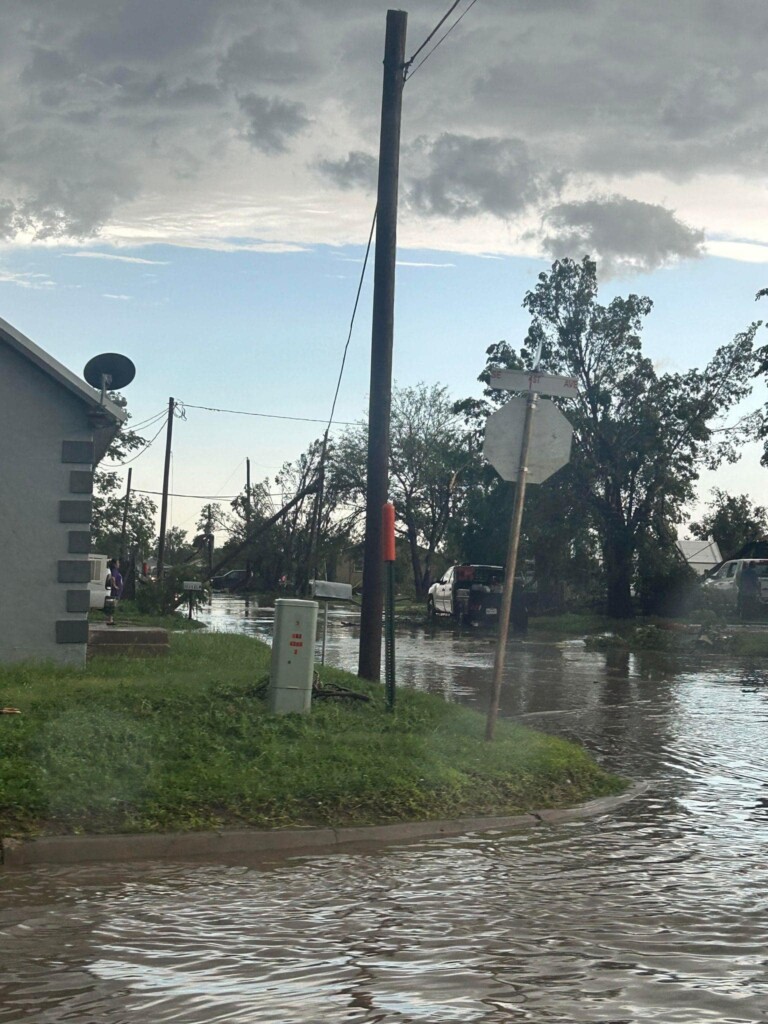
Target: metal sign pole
{"points": [[509, 575], [325, 630]]}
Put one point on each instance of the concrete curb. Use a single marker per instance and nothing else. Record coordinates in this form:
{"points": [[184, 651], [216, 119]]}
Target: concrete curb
{"points": [[185, 846]]}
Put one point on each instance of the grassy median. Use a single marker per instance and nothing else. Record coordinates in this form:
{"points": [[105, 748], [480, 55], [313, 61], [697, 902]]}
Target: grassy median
{"points": [[186, 743]]}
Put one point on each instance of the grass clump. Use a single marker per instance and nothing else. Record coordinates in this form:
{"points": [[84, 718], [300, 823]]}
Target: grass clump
{"points": [[186, 743]]}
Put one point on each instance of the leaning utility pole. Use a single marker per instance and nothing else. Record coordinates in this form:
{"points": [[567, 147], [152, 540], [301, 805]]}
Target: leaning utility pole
{"points": [[247, 512], [164, 504], [369, 665]]}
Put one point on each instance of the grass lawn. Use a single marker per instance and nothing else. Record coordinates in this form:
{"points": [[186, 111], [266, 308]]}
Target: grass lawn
{"points": [[186, 743]]}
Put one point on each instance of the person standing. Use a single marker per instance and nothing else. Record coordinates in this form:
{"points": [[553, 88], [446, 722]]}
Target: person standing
{"points": [[114, 585], [749, 591]]}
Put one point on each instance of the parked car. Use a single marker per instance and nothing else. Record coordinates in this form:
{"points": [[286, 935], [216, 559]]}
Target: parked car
{"points": [[722, 585], [468, 593], [231, 580]]}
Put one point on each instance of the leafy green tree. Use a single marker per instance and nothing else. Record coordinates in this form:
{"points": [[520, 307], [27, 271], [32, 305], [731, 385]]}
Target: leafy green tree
{"points": [[430, 451], [555, 536], [212, 518], [733, 520], [308, 538], [109, 498], [640, 438], [178, 549]]}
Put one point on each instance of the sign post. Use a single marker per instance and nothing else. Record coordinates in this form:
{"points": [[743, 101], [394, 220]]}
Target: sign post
{"points": [[191, 587], [527, 456], [388, 556]]}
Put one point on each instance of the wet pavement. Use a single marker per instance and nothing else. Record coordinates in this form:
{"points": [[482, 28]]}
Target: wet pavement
{"points": [[655, 912]]}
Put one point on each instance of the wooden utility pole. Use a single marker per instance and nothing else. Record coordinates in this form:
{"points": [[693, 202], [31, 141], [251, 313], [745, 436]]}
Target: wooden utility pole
{"points": [[164, 502], [125, 515], [369, 665]]}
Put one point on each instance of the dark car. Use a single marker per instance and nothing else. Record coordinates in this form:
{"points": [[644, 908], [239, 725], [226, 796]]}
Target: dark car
{"points": [[231, 580]]}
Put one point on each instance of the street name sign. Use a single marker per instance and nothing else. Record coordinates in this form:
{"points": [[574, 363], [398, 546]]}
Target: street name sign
{"points": [[192, 585], [541, 383], [549, 448]]}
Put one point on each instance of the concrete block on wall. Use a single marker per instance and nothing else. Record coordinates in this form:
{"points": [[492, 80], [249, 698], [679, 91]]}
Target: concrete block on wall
{"points": [[80, 481], [72, 631], [79, 542], [77, 451], [78, 600], [71, 571], [74, 511]]}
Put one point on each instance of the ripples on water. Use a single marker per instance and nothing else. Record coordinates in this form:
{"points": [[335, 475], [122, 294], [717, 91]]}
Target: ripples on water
{"points": [[657, 912]]}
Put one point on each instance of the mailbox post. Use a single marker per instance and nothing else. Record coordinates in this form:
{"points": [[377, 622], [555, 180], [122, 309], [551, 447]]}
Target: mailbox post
{"points": [[325, 591], [190, 587]]}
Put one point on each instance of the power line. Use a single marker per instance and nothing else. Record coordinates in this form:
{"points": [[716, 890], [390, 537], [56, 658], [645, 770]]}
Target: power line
{"points": [[149, 421], [265, 415], [211, 497], [436, 29], [146, 446], [205, 497], [409, 73], [352, 321]]}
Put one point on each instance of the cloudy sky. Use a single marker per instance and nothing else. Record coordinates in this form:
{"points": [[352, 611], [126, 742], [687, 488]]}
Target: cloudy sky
{"points": [[191, 182]]}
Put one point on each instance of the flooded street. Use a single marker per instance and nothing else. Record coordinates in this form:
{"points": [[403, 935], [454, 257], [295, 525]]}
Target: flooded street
{"points": [[655, 912]]}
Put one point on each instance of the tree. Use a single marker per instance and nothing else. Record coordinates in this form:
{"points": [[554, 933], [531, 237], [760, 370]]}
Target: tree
{"points": [[308, 538], [109, 503], [429, 451], [640, 438], [733, 521], [555, 535], [211, 518], [178, 550]]}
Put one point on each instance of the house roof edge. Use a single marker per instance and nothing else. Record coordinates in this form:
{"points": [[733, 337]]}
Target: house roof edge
{"points": [[56, 370]]}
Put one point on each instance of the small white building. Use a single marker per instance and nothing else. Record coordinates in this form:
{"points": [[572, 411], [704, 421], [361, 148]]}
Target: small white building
{"points": [[54, 429], [701, 555]]}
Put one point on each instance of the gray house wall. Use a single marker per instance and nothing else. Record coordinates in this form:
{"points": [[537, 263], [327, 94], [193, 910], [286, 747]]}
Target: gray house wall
{"points": [[46, 463]]}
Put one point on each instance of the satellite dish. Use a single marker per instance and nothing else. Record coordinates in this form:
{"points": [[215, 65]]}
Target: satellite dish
{"points": [[109, 370]]}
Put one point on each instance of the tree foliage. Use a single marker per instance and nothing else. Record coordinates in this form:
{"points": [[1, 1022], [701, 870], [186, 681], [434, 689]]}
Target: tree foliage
{"points": [[640, 437], [430, 451], [109, 504], [309, 538], [733, 520]]}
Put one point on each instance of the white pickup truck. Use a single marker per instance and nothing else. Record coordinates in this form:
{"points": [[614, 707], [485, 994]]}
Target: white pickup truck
{"points": [[722, 586], [468, 593], [97, 585]]}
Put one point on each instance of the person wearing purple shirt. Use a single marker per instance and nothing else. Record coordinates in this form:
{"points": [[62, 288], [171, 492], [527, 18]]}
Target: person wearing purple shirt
{"points": [[114, 587]]}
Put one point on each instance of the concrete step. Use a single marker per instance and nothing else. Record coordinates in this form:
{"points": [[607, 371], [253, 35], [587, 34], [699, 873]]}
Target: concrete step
{"points": [[133, 641]]}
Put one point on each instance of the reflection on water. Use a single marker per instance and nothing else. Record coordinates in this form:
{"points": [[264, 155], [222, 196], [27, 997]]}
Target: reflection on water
{"points": [[657, 912]]}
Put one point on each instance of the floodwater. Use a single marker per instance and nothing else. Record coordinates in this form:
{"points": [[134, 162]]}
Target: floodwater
{"points": [[657, 911]]}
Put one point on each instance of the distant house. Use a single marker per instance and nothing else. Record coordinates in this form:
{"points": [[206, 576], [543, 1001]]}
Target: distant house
{"points": [[54, 429], [701, 555]]}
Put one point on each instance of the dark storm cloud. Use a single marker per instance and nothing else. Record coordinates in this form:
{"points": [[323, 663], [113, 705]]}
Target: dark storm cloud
{"points": [[357, 170], [266, 56], [271, 122], [465, 176], [623, 233], [626, 87], [103, 102]]}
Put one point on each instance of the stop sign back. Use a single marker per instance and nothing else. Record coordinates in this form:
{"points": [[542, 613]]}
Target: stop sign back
{"points": [[550, 444]]}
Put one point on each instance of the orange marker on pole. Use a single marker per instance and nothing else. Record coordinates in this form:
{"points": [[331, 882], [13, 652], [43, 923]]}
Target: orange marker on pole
{"points": [[388, 532], [388, 556]]}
